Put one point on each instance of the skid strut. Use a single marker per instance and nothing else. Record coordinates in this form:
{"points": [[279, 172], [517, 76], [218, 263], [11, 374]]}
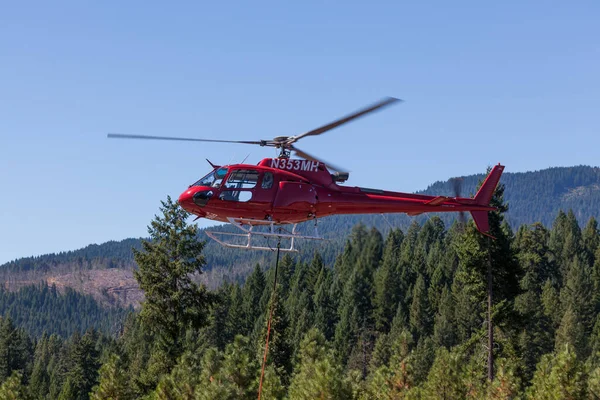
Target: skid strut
{"points": [[247, 227]]}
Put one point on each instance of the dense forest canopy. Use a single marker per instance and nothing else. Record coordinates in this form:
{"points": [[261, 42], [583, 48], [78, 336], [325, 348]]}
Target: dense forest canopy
{"points": [[41, 308], [395, 315]]}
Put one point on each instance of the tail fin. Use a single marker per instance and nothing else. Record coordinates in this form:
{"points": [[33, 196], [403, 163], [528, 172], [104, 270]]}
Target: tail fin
{"points": [[481, 221], [483, 197]]}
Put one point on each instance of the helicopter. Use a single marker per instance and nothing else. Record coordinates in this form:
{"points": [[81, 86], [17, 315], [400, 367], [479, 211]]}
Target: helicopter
{"points": [[285, 191]]}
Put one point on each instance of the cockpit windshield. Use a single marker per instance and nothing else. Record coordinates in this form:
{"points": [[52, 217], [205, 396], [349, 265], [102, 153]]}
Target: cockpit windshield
{"points": [[213, 179]]}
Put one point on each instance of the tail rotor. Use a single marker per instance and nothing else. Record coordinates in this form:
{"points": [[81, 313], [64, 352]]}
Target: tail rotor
{"points": [[457, 187]]}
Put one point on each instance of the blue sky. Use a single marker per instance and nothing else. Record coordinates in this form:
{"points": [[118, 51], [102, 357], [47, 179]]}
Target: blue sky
{"points": [[483, 82]]}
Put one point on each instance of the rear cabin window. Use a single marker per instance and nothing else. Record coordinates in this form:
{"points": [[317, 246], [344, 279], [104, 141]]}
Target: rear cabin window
{"points": [[242, 179], [267, 182]]}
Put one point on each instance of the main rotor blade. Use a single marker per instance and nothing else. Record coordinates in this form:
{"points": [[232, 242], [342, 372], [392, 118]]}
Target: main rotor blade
{"points": [[307, 156], [123, 136], [382, 103]]}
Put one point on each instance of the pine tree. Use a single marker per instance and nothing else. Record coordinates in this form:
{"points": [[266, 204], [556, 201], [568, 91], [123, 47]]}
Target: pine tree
{"points": [[437, 273], [468, 291], [427, 248], [551, 303], [420, 311], [325, 312], [252, 293], [423, 357], [314, 270], [137, 345], [84, 364], [173, 301], [356, 310], [591, 240], [577, 294], [506, 383], [317, 375], [444, 328], [57, 367], [231, 378], [565, 241], [387, 282], [573, 241], [536, 336], [272, 388], [112, 383], [13, 388], [39, 384], [558, 235], [445, 377], [408, 264], [594, 383], [236, 323], [595, 277], [489, 274], [381, 352], [182, 383], [373, 248], [280, 350], [394, 381], [7, 334], [299, 304], [572, 332], [68, 392], [399, 323], [220, 326], [559, 376], [15, 348]]}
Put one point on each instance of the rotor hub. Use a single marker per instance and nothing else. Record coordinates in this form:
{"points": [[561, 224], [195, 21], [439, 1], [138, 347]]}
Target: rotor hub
{"points": [[281, 139]]}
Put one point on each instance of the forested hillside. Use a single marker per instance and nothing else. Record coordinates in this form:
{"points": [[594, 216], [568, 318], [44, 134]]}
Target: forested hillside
{"points": [[40, 308], [396, 315], [533, 197]]}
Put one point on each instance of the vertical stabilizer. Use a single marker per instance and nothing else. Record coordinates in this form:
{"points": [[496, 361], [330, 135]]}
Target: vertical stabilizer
{"points": [[483, 198], [484, 195]]}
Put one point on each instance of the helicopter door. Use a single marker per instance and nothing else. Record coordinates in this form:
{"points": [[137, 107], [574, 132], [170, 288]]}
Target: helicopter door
{"points": [[239, 186], [251, 191]]}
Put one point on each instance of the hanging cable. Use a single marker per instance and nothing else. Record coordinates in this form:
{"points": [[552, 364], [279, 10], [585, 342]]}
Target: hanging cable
{"points": [[273, 297]]}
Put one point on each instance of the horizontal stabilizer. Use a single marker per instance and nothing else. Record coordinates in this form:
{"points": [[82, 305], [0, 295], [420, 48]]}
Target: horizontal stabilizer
{"points": [[436, 201]]}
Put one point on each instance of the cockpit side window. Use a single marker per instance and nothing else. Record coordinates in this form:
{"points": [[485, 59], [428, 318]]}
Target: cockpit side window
{"points": [[267, 181], [242, 179]]}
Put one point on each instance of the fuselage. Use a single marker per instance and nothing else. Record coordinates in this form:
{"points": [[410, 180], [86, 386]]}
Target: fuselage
{"points": [[291, 191]]}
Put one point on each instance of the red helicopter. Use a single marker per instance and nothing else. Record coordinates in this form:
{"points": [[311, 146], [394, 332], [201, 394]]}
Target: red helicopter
{"points": [[281, 191]]}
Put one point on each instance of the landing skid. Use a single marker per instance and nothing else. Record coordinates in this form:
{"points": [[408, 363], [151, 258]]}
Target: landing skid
{"points": [[248, 232]]}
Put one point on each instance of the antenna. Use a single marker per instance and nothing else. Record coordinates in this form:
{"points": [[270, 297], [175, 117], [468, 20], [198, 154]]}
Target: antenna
{"points": [[231, 159], [245, 158]]}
